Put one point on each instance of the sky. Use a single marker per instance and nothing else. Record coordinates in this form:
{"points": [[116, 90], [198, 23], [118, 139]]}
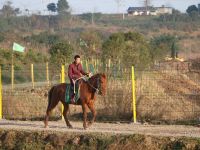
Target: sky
{"points": [[104, 6]]}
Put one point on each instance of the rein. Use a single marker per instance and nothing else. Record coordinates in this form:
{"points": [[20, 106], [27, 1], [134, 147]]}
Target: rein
{"points": [[76, 81], [96, 89]]}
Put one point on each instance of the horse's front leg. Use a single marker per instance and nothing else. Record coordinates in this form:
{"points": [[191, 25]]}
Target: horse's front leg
{"points": [[84, 107], [92, 109]]}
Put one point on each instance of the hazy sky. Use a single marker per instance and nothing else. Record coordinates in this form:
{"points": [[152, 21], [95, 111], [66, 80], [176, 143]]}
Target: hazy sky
{"points": [[105, 6]]}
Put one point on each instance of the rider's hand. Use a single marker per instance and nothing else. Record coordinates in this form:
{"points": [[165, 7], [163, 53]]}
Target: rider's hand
{"points": [[89, 74]]}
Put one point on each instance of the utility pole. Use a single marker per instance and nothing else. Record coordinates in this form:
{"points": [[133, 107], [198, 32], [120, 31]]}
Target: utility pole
{"points": [[146, 3], [146, 6], [93, 16], [118, 5]]}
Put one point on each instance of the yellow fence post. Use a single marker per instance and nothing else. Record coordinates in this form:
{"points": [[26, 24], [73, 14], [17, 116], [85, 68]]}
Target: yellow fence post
{"points": [[47, 73], [63, 74], [12, 77], [95, 64], [119, 64], [134, 95], [1, 108], [109, 63], [87, 69], [62, 81], [32, 76]]}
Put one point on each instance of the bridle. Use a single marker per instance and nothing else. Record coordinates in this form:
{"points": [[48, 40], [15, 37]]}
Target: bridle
{"points": [[98, 88]]}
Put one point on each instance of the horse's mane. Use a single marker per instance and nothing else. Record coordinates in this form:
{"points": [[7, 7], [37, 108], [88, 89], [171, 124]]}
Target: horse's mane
{"points": [[94, 76]]}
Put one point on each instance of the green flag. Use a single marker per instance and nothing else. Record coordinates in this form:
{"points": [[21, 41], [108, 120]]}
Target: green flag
{"points": [[18, 48]]}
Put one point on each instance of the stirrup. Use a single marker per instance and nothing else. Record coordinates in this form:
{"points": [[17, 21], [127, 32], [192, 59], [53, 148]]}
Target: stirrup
{"points": [[73, 101]]}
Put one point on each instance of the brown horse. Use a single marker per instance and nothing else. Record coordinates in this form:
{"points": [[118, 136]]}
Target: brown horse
{"points": [[88, 90]]}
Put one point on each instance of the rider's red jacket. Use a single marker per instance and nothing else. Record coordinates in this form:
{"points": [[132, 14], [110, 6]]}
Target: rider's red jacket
{"points": [[75, 71]]}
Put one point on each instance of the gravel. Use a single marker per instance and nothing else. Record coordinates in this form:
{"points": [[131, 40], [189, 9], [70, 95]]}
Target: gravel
{"points": [[111, 128]]}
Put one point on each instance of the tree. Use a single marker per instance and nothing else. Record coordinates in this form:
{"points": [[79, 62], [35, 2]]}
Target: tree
{"points": [[2, 37], [90, 16], [62, 7], [194, 15], [175, 12], [61, 53], [32, 56], [163, 45], [173, 51], [113, 47], [137, 50], [131, 48], [8, 10], [90, 42], [52, 7], [192, 8], [43, 38], [17, 11]]}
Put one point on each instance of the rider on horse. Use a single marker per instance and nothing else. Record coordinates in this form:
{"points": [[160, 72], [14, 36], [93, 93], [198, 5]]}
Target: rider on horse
{"points": [[75, 71]]}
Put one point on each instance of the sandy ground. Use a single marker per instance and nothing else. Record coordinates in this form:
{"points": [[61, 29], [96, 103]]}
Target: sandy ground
{"points": [[117, 128]]}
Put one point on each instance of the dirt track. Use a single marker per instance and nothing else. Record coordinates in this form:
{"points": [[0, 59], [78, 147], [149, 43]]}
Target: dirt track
{"points": [[118, 128]]}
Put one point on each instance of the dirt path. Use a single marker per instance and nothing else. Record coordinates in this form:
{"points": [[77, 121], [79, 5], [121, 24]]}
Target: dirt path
{"points": [[118, 128]]}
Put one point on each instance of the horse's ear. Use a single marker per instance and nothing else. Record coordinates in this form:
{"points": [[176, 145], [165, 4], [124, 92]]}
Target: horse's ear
{"points": [[103, 75]]}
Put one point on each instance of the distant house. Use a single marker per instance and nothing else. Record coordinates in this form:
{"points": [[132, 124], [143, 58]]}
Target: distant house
{"points": [[138, 11], [164, 10]]}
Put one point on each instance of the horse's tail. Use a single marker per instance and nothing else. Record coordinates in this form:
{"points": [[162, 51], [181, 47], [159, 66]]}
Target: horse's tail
{"points": [[49, 96]]}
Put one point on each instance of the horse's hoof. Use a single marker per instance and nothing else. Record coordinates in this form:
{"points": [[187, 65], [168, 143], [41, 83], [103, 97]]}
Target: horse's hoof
{"points": [[89, 123], [85, 127], [46, 127], [70, 127]]}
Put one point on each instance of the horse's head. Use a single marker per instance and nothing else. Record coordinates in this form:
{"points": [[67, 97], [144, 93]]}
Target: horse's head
{"points": [[102, 84], [98, 82]]}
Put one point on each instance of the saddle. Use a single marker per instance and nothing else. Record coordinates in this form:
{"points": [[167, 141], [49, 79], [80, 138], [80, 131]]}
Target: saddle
{"points": [[70, 96]]}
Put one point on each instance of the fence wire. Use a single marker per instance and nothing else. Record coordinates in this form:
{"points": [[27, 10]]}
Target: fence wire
{"points": [[163, 94]]}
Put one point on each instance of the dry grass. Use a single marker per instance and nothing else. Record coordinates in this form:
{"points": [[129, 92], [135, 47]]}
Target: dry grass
{"points": [[26, 104], [168, 96]]}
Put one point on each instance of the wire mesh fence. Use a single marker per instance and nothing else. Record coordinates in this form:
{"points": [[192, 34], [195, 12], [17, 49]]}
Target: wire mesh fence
{"points": [[169, 95], [163, 94]]}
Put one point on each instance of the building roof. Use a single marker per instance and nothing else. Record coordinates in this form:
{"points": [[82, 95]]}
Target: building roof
{"points": [[150, 8], [132, 9]]}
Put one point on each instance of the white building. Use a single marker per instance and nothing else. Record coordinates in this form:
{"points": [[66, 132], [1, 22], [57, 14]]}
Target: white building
{"points": [[164, 10], [138, 11]]}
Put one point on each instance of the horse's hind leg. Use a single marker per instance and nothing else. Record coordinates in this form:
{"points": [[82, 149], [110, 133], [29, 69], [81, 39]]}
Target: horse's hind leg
{"points": [[66, 108], [46, 118], [50, 107]]}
